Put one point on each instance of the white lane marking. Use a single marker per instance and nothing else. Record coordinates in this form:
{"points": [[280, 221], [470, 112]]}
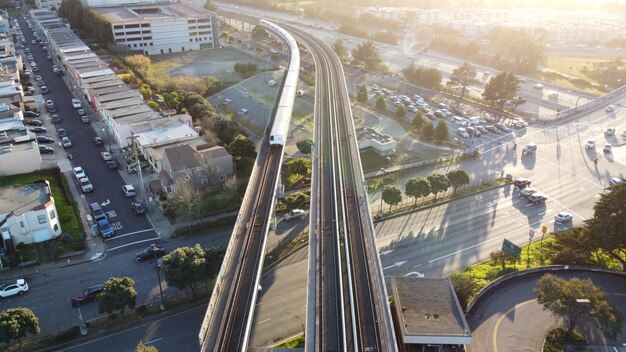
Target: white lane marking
{"points": [[132, 233], [394, 265], [133, 243], [153, 341], [263, 321]]}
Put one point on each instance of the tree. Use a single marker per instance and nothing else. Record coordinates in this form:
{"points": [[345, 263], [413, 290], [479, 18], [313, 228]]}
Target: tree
{"points": [[423, 76], [184, 201], [145, 348], [213, 261], [418, 120], [441, 131], [392, 196], [16, 323], [438, 183], [118, 293], [457, 178], [361, 94], [381, 105], [367, 54], [501, 257], [340, 49], [428, 132], [184, 267], [605, 230], [572, 247], [563, 299], [400, 112], [300, 166], [209, 5], [304, 145], [501, 88], [465, 285], [417, 187], [259, 33], [242, 147], [462, 77]]}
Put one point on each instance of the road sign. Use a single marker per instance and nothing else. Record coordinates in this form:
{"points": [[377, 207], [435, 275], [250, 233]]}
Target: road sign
{"points": [[544, 229], [531, 233], [510, 247]]}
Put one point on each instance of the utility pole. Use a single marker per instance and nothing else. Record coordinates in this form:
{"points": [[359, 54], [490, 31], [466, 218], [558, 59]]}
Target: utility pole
{"points": [[133, 139]]}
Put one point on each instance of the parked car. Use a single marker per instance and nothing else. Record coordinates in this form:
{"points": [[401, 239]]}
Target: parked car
{"points": [[104, 228], [492, 129], [138, 208], [538, 86], [563, 217], [85, 119], [44, 90], [44, 149], [607, 148], [76, 104], [79, 172], [502, 127], [522, 183], [610, 108], [66, 142], [462, 132], [44, 140], [106, 156], [527, 192], [97, 212], [56, 118], [62, 132], [87, 295], [530, 148], [609, 132], [151, 252], [81, 112], [482, 129], [97, 140], [30, 114], [33, 122], [13, 287], [85, 184], [50, 105], [39, 130], [520, 123], [590, 144], [294, 214], [129, 190]]}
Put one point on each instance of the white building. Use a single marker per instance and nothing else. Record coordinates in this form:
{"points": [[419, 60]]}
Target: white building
{"points": [[28, 214], [162, 27], [48, 4], [19, 152]]}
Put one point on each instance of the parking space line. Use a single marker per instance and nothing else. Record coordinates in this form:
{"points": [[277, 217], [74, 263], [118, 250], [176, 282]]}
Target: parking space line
{"points": [[133, 243], [132, 233]]}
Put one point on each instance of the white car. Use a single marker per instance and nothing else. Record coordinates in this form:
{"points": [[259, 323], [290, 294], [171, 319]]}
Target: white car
{"points": [[13, 287], [538, 86], [66, 142], [609, 108], [243, 111], [590, 144], [106, 156], [273, 51], [85, 184], [79, 172], [563, 217], [520, 123], [129, 190], [615, 181], [294, 214], [76, 103], [227, 101]]}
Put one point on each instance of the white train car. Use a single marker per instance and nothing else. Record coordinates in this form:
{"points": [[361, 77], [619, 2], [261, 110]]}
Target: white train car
{"points": [[280, 128]]}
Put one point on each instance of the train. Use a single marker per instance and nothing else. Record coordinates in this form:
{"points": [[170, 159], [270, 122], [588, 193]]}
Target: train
{"points": [[280, 128]]}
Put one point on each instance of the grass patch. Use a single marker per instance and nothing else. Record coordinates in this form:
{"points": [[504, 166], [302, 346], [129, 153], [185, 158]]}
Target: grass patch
{"points": [[297, 342], [372, 161], [284, 249], [557, 338]]}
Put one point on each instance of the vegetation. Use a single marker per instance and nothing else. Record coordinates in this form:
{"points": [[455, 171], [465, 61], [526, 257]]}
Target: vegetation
{"points": [[441, 131], [418, 121], [118, 294], [297, 171], [185, 201], [381, 105], [246, 70], [417, 187], [209, 5], [361, 94], [242, 147], [501, 88], [340, 49], [457, 178], [259, 33], [304, 145], [516, 50], [578, 302], [438, 183], [185, 267], [557, 338], [17, 323], [401, 112], [88, 20], [146, 348], [465, 286], [366, 53], [299, 200], [463, 77], [428, 132], [392, 196], [423, 76]]}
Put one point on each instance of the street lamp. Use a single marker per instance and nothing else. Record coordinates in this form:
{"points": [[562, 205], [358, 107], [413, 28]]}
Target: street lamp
{"points": [[156, 263]]}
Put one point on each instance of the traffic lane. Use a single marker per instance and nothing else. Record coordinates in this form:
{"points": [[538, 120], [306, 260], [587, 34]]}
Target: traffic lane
{"points": [[512, 330], [173, 332]]}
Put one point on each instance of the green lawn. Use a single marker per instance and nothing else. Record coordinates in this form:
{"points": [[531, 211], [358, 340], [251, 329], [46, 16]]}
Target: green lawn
{"points": [[571, 72]]}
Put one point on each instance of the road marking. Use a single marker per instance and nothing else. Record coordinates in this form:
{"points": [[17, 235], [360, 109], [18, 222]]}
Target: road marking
{"points": [[134, 233], [386, 252], [132, 243], [153, 341], [495, 328], [263, 321], [394, 265], [414, 273]]}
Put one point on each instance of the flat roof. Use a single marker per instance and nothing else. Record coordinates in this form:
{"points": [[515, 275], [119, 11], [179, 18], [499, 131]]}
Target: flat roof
{"points": [[21, 199], [122, 94], [428, 311], [153, 11]]}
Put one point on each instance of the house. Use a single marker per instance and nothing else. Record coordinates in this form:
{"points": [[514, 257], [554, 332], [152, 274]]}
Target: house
{"points": [[204, 168], [28, 214], [19, 152]]}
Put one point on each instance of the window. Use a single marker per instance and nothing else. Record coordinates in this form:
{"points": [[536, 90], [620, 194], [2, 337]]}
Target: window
{"points": [[152, 45], [56, 227], [222, 178], [22, 224], [42, 219], [148, 37], [170, 50], [182, 48], [132, 26], [133, 32], [52, 214], [191, 40], [162, 53], [168, 189], [187, 177], [204, 181], [118, 26]]}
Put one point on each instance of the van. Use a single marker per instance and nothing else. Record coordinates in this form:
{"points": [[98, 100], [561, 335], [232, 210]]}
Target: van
{"points": [[97, 212]]}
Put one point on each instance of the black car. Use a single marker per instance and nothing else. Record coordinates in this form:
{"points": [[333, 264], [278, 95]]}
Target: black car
{"points": [[492, 129], [151, 252], [111, 164], [33, 122], [521, 183], [62, 132], [39, 130], [45, 149], [138, 208], [31, 114], [56, 119], [97, 141], [44, 140]]}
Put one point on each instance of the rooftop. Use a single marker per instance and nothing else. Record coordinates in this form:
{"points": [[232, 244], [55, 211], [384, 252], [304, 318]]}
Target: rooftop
{"points": [[428, 311], [149, 12], [21, 199]]}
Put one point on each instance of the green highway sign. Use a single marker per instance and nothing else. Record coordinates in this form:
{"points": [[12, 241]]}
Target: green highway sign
{"points": [[510, 247]]}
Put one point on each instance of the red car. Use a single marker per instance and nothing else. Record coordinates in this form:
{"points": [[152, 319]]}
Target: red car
{"points": [[88, 295]]}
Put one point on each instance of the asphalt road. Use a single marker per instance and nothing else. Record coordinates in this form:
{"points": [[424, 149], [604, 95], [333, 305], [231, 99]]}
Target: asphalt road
{"points": [[512, 320]]}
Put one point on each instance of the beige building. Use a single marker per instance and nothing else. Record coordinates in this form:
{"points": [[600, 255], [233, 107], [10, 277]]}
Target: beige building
{"points": [[19, 152], [28, 214], [204, 168]]}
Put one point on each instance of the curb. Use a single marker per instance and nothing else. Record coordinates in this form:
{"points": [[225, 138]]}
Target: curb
{"points": [[487, 290], [395, 215]]}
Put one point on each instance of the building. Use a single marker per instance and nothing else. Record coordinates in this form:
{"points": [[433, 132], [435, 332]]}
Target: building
{"points": [[48, 4], [382, 144], [204, 168], [28, 214], [19, 151], [159, 28], [427, 315]]}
